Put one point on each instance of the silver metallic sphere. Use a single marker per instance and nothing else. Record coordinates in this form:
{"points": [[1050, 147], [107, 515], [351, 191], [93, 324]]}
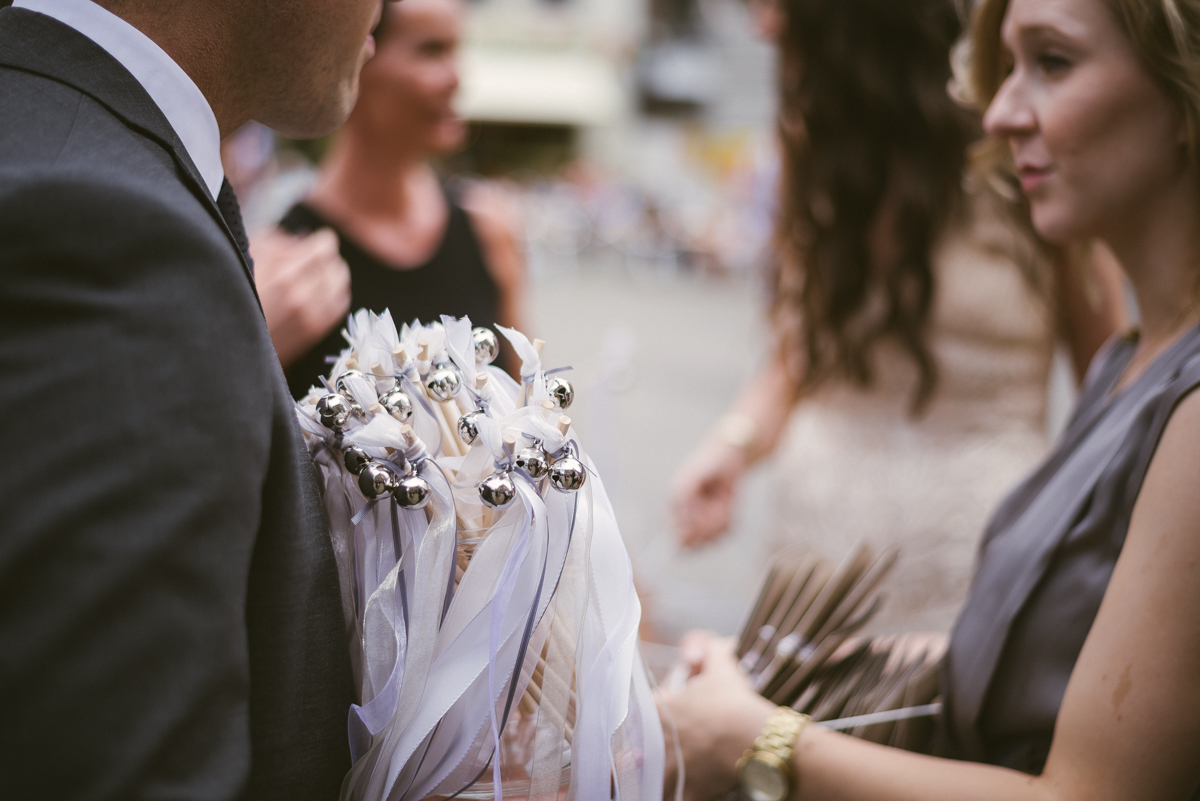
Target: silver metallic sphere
{"points": [[355, 459], [498, 490], [334, 411], [342, 385], [561, 391], [568, 474], [398, 404], [412, 492], [375, 481], [468, 427], [487, 346], [443, 384], [533, 461]]}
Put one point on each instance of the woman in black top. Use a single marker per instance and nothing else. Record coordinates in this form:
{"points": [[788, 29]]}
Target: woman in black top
{"points": [[411, 245]]}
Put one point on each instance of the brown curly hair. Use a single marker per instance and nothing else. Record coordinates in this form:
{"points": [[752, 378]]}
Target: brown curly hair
{"points": [[869, 133]]}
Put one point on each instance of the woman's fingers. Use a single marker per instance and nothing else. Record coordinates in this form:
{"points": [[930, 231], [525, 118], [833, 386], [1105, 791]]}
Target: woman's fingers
{"points": [[703, 500], [717, 715], [304, 286]]}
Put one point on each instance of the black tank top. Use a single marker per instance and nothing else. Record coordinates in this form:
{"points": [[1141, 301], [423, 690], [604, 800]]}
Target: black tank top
{"points": [[455, 281]]}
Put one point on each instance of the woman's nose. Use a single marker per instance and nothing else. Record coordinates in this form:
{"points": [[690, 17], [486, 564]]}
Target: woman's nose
{"points": [[1010, 113]]}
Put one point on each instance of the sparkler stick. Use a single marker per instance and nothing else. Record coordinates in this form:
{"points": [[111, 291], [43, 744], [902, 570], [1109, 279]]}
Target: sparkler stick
{"points": [[796, 647]]}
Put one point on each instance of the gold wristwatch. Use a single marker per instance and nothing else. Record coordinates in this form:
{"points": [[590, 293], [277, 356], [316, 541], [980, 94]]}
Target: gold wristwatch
{"points": [[766, 770]]}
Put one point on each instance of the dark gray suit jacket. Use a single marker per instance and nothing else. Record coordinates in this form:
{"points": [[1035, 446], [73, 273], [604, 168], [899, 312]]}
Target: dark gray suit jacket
{"points": [[170, 623]]}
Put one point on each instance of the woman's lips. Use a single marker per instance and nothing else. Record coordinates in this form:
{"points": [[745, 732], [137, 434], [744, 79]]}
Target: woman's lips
{"points": [[1033, 177]]}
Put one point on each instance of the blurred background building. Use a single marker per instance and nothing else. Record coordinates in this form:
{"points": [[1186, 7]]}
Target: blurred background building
{"points": [[639, 126]]}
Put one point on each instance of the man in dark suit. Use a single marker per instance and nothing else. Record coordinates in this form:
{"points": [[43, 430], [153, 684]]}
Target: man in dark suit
{"points": [[170, 621]]}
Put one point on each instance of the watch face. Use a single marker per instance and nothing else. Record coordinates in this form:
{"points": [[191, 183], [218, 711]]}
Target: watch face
{"points": [[763, 782]]}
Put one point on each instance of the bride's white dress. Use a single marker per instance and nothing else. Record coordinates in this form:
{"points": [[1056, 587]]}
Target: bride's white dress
{"points": [[856, 466]]}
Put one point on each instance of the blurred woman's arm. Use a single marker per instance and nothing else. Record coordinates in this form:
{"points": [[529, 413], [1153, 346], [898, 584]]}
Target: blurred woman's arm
{"points": [[498, 229], [706, 485], [1130, 721]]}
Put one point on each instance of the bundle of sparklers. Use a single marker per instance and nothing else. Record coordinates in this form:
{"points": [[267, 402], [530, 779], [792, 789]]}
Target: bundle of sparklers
{"points": [[800, 650], [487, 593]]}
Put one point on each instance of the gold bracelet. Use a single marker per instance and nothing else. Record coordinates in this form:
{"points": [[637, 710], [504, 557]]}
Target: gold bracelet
{"points": [[766, 770]]}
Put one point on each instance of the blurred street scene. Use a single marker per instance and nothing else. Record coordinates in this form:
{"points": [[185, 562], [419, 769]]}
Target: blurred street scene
{"points": [[634, 140]]}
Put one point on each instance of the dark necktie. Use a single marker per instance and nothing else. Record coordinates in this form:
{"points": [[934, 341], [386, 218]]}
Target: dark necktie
{"points": [[227, 204]]}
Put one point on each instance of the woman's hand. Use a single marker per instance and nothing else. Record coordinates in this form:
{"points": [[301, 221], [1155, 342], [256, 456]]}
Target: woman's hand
{"points": [[304, 287], [704, 491], [706, 486], [717, 715]]}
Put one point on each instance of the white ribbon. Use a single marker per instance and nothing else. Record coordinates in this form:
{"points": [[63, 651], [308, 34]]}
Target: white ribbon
{"points": [[441, 677]]}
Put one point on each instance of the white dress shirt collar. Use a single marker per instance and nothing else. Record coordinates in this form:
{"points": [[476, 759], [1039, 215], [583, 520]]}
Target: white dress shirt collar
{"points": [[175, 94]]}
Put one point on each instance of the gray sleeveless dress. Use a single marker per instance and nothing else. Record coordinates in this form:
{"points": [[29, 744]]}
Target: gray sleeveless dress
{"points": [[1046, 559]]}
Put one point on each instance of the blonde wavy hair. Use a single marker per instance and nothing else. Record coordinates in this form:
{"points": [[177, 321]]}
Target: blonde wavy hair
{"points": [[1165, 35]]}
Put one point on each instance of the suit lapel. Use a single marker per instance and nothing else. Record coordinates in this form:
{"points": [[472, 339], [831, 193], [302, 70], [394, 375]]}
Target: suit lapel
{"points": [[39, 44]]}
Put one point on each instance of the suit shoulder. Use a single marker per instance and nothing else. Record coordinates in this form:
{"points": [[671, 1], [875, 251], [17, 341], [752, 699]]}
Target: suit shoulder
{"points": [[62, 209], [46, 124], [37, 115], [133, 271]]}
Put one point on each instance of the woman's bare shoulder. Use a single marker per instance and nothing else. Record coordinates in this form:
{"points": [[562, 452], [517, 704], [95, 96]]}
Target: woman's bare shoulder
{"points": [[1132, 709], [495, 216], [492, 207]]}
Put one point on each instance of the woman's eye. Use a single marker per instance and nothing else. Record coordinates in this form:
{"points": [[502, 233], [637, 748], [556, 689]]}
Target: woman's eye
{"points": [[1051, 64]]}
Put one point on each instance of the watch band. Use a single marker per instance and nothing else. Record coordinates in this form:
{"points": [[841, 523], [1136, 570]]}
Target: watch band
{"points": [[776, 744]]}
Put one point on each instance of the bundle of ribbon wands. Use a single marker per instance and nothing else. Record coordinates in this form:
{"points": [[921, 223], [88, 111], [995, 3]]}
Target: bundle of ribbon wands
{"points": [[487, 593], [800, 650]]}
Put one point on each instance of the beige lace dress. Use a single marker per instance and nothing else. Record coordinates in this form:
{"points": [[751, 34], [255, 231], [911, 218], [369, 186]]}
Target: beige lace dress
{"points": [[855, 466]]}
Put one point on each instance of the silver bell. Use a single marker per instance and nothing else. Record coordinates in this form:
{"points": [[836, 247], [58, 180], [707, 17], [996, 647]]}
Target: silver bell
{"points": [[355, 459], [568, 474], [375, 481], [498, 490], [398, 404], [342, 385], [561, 391], [533, 461], [468, 427], [412, 492], [334, 411], [487, 346], [443, 384]]}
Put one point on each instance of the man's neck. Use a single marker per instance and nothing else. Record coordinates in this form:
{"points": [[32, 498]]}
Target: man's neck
{"points": [[199, 38]]}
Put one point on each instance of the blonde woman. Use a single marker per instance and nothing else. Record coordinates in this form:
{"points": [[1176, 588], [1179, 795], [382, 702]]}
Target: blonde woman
{"points": [[1074, 668]]}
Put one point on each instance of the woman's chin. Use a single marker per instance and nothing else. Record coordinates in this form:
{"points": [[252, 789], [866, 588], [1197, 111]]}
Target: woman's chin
{"points": [[1056, 226]]}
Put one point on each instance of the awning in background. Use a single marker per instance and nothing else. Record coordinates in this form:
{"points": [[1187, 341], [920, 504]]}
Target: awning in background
{"points": [[549, 87]]}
